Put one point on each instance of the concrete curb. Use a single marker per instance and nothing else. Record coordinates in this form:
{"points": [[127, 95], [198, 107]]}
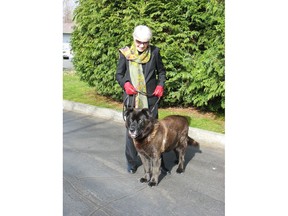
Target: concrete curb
{"points": [[199, 135]]}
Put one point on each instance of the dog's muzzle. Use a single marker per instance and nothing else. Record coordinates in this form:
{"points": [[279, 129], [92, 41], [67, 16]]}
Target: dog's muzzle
{"points": [[133, 132]]}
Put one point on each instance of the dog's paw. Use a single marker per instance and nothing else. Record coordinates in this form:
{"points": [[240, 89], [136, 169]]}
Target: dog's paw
{"points": [[152, 183], [179, 170], [143, 180]]}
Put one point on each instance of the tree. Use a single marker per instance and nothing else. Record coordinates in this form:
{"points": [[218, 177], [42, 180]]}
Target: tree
{"points": [[68, 7]]}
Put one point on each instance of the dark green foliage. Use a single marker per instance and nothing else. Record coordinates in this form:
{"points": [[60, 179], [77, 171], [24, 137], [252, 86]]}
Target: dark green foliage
{"points": [[190, 34]]}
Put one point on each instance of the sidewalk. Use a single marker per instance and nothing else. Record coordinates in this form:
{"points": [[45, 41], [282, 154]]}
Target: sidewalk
{"points": [[202, 136]]}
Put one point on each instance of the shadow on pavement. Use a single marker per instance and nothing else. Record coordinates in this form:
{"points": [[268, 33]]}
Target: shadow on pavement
{"points": [[170, 159]]}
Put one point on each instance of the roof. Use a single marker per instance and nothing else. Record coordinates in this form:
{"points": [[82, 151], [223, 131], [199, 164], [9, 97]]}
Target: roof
{"points": [[68, 27]]}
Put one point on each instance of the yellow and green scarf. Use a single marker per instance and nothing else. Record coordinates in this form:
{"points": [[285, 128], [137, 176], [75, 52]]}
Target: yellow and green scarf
{"points": [[136, 72]]}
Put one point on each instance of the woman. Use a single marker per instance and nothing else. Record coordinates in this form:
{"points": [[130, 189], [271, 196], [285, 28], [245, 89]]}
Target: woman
{"points": [[140, 68]]}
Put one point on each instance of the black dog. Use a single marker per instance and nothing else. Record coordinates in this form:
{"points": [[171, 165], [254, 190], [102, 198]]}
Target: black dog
{"points": [[152, 137]]}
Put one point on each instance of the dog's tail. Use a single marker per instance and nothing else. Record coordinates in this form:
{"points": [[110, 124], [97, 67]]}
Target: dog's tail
{"points": [[192, 142]]}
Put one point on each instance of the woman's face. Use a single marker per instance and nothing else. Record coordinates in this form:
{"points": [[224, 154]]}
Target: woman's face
{"points": [[141, 46]]}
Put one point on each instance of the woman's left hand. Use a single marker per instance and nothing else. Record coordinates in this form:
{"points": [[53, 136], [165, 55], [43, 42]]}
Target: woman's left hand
{"points": [[159, 90]]}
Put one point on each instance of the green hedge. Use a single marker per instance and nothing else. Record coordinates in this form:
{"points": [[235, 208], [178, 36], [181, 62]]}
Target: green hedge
{"points": [[190, 34]]}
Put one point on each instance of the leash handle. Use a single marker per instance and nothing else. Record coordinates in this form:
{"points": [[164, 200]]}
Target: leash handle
{"points": [[144, 93]]}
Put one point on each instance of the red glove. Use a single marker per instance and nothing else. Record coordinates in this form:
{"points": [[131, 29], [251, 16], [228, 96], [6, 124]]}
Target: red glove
{"points": [[129, 89], [158, 91]]}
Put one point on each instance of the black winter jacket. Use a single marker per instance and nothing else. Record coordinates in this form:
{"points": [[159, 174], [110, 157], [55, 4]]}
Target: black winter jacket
{"points": [[154, 73]]}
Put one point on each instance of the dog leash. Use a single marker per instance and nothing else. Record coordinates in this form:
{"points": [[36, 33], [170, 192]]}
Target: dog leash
{"points": [[133, 100], [151, 95]]}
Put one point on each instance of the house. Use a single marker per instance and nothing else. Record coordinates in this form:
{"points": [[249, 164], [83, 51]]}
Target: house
{"points": [[67, 31]]}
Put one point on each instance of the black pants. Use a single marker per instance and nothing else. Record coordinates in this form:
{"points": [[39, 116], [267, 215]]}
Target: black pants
{"points": [[131, 154]]}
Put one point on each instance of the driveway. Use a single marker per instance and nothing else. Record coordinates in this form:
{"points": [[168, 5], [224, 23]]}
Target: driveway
{"points": [[67, 64]]}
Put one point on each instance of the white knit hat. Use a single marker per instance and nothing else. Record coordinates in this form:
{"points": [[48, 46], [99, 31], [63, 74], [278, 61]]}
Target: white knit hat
{"points": [[142, 33]]}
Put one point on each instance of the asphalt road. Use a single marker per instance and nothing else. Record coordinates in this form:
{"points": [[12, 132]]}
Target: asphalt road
{"points": [[96, 181]]}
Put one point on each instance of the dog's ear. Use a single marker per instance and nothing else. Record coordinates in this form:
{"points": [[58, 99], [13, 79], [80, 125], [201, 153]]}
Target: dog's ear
{"points": [[128, 111], [147, 112]]}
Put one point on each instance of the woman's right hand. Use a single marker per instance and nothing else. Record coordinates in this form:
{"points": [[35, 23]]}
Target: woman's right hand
{"points": [[129, 89]]}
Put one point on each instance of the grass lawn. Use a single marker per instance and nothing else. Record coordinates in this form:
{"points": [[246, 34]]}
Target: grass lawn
{"points": [[78, 91]]}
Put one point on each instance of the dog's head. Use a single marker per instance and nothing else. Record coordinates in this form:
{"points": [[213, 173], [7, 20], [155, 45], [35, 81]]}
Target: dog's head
{"points": [[139, 122]]}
